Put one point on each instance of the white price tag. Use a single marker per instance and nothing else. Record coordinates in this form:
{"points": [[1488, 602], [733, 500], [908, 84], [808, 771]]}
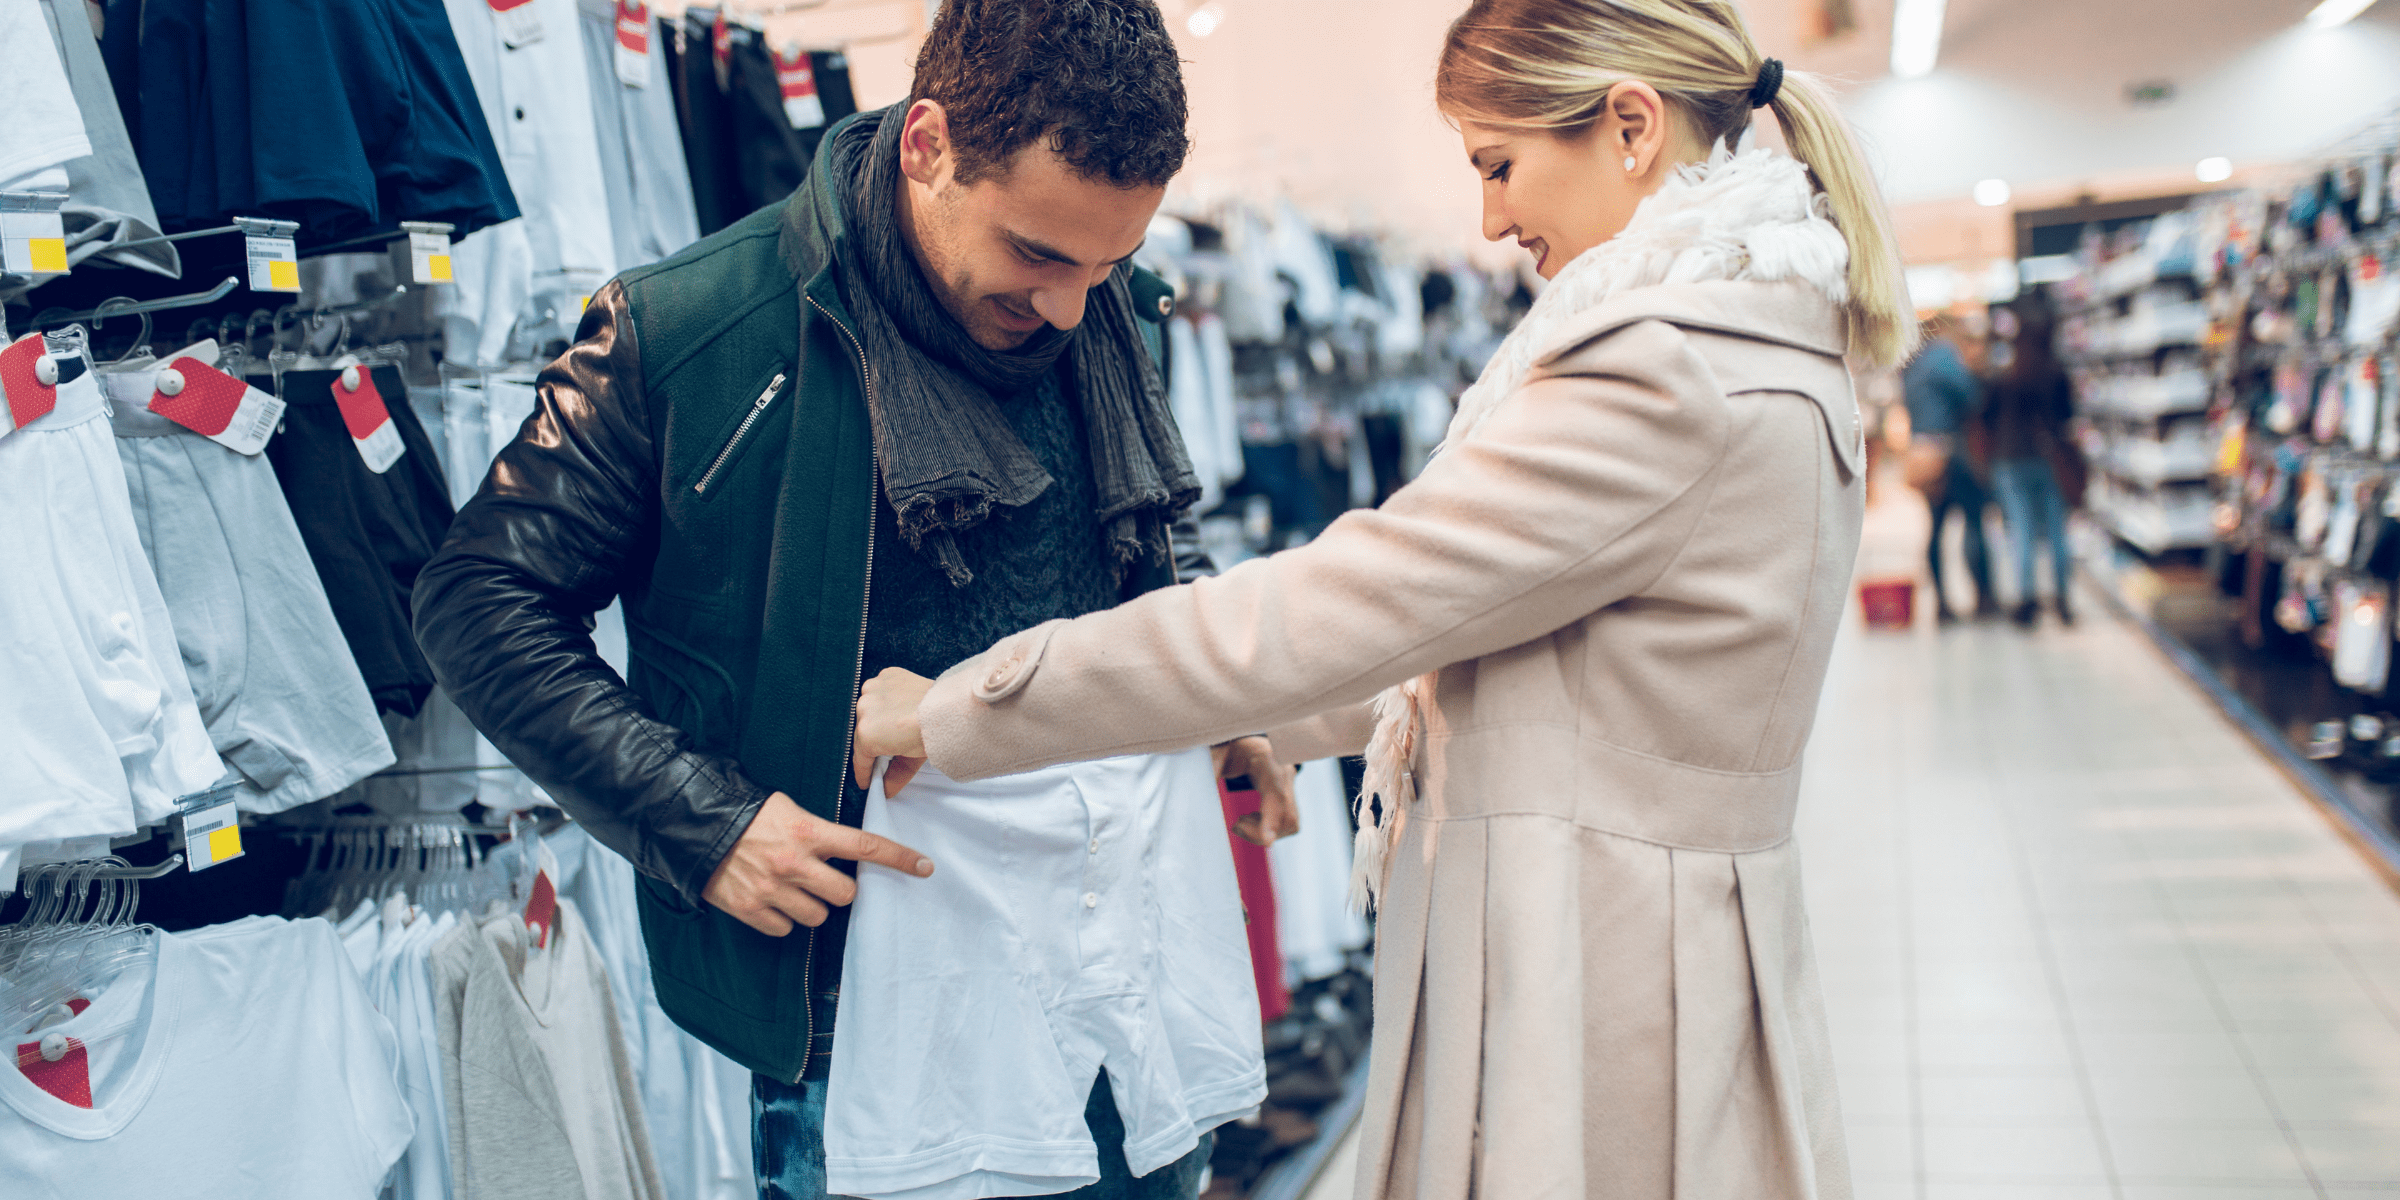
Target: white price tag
{"points": [[274, 263]]}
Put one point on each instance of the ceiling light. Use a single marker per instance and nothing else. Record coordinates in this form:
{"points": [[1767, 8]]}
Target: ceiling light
{"points": [[2213, 170], [2335, 12], [1991, 193], [1917, 36], [1204, 20]]}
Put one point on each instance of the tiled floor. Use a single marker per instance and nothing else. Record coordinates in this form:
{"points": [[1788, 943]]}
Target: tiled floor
{"points": [[2079, 939]]}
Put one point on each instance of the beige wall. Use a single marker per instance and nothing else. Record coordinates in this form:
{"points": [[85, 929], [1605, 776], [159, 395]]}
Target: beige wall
{"points": [[1330, 101]]}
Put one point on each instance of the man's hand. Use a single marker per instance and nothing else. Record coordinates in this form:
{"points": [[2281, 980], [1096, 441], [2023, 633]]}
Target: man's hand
{"points": [[777, 875], [887, 726], [1278, 814]]}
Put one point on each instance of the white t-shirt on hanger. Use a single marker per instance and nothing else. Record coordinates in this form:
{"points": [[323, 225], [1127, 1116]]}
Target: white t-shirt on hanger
{"points": [[239, 1062]]}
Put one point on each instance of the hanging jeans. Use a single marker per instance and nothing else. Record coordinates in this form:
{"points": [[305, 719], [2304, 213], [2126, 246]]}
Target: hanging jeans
{"points": [[2030, 499], [788, 1146]]}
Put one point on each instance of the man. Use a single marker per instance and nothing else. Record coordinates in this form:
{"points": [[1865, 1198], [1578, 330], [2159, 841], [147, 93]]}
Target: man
{"points": [[1942, 396], [904, 413]]}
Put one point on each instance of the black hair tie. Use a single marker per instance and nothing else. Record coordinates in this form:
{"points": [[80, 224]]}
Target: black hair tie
{"points": [[1770, 82]]}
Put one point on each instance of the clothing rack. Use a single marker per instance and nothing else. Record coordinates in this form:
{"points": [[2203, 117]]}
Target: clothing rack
{"points": [[116, 308], [381, 237], [246, 226], [157, 870]]}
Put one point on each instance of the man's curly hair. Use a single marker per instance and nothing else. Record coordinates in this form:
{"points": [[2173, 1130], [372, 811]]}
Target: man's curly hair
{"points": [[1098, 80]]}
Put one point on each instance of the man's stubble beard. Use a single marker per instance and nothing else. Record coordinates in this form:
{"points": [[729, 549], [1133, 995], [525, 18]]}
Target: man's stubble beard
{"points": [[953, 285]]}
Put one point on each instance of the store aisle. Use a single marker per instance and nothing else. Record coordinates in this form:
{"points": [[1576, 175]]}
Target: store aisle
{"points": [[2080, 939]]}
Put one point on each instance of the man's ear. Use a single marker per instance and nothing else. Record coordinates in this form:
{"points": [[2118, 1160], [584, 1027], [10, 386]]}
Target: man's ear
{"points": [[925, 144]]}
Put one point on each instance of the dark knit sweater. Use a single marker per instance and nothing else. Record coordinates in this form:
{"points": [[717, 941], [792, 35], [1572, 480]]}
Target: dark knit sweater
{"points": [[1039, 562]]}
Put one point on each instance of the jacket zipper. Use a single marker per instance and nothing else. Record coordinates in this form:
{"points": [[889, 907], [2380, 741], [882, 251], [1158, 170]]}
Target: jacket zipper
{"points": [[758, 408], [858, 669]]}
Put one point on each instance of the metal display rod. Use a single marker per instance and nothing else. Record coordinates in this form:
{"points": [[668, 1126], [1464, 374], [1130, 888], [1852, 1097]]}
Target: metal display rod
{"points": [[119, 308]]}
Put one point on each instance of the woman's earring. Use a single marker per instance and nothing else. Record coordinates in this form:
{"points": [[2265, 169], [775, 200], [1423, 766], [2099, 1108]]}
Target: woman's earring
{"points": [[1628, 162]]}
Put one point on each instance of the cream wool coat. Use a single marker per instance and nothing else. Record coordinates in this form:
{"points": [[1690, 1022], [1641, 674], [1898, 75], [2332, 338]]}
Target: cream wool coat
{"points": [[1593, 969]]}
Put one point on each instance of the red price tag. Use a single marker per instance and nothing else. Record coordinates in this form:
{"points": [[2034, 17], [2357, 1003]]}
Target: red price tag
{"points": [[28, 398], [633, 25], [215, 405], [59, 1064], [541, 908], [799, 83], [369, 422], [720, 47], [633, 43]]}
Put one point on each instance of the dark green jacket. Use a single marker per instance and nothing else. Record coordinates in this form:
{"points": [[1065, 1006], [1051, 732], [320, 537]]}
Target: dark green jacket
{"points": [[702, 452]]}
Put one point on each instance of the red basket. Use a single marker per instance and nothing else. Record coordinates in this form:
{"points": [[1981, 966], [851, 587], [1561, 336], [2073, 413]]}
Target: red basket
{"points": [[1890, 603]]}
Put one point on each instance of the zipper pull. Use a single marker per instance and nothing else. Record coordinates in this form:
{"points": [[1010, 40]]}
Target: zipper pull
{"points": [[773, 386]]}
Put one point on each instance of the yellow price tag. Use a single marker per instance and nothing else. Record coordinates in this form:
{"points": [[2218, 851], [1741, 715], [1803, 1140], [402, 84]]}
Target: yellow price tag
{"points": [[285, 276], [49, 255], [438, 266], [225, 843]]}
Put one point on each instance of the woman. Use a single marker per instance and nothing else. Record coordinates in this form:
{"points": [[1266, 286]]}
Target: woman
{"points": [[1599, 622], [2028, 412]]}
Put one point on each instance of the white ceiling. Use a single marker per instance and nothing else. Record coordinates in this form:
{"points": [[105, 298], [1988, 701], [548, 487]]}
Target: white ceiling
{"points": [[2033, 91]]}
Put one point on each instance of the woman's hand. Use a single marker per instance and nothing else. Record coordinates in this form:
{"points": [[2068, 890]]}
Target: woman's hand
{"points": [[887, 727]]}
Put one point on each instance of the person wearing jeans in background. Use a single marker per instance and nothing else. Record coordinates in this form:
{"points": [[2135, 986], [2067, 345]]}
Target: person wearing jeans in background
{"points": [[1943, 395], [2027, 414]]}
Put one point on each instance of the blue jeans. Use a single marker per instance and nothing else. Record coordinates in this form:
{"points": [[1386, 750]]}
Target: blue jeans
{"points": [[1961, 492], [787, 1139], [2030, 499]]}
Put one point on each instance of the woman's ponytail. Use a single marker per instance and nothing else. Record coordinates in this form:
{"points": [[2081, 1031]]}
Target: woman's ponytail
{"points": [[1883, 325], [1549, 64]]}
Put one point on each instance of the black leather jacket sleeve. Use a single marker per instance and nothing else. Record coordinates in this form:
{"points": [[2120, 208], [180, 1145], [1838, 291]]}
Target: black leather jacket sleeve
{"points": [[566, 518]]}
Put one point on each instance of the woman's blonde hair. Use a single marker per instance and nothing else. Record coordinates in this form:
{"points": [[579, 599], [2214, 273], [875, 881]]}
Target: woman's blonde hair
{"points": [[1550, 64]]}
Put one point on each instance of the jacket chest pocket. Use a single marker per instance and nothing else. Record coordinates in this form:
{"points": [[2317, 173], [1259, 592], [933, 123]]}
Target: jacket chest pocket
{"points": [[768, 399]]}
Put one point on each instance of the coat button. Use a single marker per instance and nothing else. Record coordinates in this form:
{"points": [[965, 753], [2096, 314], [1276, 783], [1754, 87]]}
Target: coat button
{"points": [[1166, 306]]}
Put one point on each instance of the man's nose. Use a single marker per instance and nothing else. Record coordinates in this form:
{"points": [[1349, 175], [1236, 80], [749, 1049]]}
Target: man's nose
{"points": [[1061, 306]]}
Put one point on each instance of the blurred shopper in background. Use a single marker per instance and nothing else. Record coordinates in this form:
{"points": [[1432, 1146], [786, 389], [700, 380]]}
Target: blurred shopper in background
{"points": [[2031, 402], [1943, 397]]}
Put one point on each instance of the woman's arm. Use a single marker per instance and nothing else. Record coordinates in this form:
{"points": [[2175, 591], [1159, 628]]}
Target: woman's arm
{"points": [[1578, 492], [1335, 733]]}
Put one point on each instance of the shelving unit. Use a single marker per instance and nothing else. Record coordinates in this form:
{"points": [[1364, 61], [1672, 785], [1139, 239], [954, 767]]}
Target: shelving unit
{"points": [[2134, 325]]}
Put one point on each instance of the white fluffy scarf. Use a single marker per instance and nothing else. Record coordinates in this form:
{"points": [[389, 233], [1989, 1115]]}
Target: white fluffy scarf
{"points": [[1750, 216]]}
